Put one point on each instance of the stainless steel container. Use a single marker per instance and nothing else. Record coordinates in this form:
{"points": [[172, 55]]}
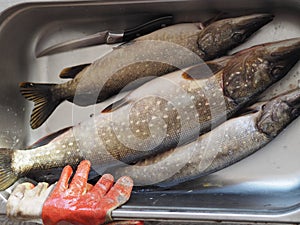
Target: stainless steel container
{"points": [[264, 187]]}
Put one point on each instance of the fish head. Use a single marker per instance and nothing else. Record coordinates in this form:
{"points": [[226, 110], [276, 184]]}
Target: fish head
{"points": [[252, 70], [279, 112], [220, 36], [281, 56]]}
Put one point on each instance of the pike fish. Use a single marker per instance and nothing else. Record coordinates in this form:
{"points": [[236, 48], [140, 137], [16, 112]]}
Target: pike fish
{"points": [[138, 61], [162, 114], [230, 142]]}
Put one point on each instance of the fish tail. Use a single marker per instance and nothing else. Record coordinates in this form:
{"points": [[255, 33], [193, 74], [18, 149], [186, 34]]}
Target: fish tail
{"points": [[45, 101], [7, 175]]}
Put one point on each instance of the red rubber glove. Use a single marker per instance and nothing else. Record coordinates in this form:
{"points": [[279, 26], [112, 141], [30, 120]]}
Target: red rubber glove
{"points": [[82, 204]]}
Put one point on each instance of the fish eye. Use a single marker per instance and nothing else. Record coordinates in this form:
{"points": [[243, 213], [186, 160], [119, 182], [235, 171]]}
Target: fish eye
{"points": [[238, 37], [277, 70]]}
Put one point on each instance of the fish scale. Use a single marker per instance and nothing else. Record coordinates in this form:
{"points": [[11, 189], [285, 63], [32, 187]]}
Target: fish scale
{"points": [[115, 136], [230, 142], [132, 64], [195, 159]]}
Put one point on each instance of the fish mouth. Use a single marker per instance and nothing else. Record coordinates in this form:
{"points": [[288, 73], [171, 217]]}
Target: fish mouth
{"points": [[291, 98], [282, 55], [284, 49], [247, 25]]}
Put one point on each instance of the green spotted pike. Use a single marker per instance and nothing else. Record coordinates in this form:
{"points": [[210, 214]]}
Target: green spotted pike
{"points": [[136, 62], [162, 114], [230, 142]]}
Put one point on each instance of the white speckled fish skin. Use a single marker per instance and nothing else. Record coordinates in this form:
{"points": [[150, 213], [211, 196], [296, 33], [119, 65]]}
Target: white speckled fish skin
{"points": [[145, 58], [230, 142], [156, 54], [159, 115], [164, 113]]}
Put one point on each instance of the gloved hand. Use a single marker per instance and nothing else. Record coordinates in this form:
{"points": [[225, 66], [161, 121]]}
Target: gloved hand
{"points": [[76, 204]]}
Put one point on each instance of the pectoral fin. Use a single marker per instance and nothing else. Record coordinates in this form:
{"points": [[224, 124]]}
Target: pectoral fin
{"points": [[219, 16], [116, 105], [202, 71], [251, 109], [45, 140]]}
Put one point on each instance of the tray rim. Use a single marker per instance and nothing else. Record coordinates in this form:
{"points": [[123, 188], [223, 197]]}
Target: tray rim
{"points": [[289, 215]]}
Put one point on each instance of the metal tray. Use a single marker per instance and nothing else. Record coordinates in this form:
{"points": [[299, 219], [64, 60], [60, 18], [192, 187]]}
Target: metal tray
{"points": [[264, 187]]}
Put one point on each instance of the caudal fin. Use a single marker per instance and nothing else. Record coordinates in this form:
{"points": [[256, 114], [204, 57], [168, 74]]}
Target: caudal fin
{"points": [[7, 175], [44, 101]]}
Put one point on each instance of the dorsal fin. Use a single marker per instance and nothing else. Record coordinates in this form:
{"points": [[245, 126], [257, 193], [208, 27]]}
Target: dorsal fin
{"points": [[45, 140], [116, 105], [71, 72]]}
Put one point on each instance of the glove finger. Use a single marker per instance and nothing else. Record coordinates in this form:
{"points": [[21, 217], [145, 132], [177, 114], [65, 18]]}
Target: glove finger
{"points": [[37, 190], [103, 185], [118, 194], [50, 189], [19, 191], [63, 181], [79, 181]]}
